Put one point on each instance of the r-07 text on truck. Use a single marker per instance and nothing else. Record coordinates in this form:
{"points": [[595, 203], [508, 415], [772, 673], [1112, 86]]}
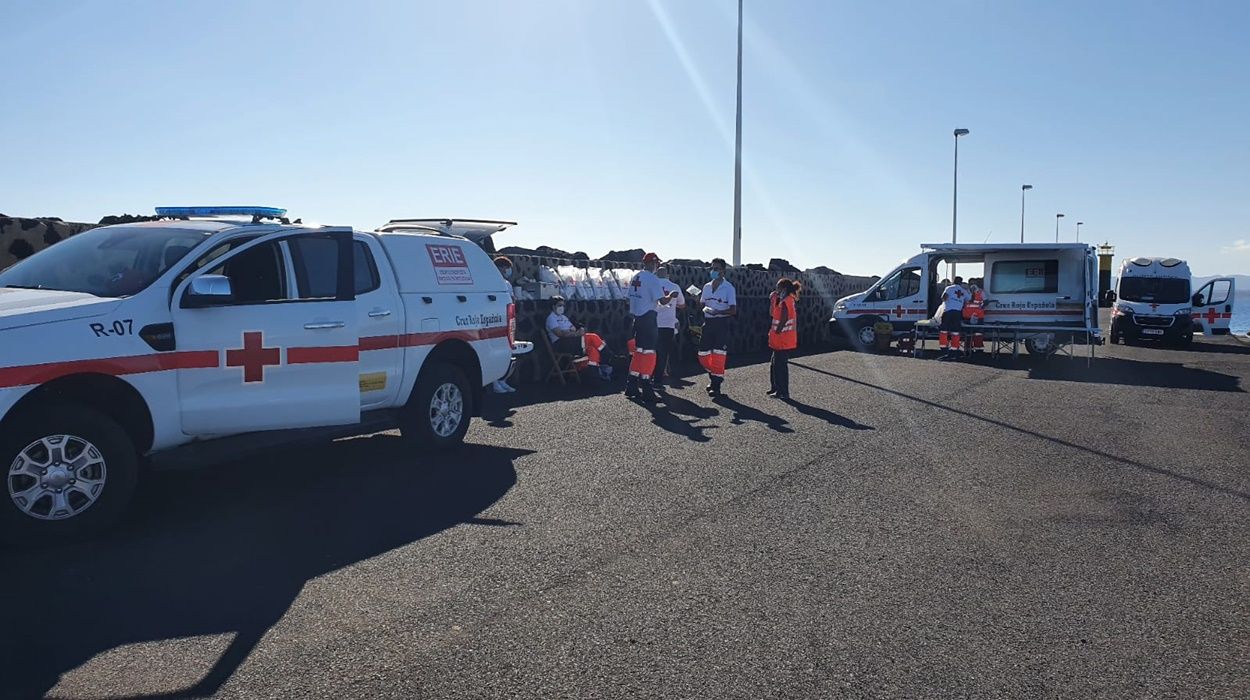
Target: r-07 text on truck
{"points": [[201, 331]]}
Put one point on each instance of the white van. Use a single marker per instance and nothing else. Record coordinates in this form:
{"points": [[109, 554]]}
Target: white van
{"points": [[1155, 300], [1048, 288]]}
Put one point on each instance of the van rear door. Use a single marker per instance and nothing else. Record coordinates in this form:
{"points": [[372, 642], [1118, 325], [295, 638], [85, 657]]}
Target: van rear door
{"points": [[1213, 306]]}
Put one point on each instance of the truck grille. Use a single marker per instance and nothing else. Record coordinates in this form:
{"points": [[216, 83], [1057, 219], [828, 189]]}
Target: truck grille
{"points": [[1154, 321]]}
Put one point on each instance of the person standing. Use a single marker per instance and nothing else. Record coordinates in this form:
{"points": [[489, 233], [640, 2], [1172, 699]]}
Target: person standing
{"points": [[645, 294], [783, 335], [720, 305], [668, 320], [953, 299]]}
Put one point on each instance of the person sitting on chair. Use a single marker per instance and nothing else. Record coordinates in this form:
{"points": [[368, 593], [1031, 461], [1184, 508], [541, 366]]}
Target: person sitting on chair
{"points": [[573, 339]]}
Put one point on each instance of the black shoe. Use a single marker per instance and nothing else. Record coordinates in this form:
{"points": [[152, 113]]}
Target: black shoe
{"points": [[712, 390], [650, 397], [772, 392], [631, 392]]}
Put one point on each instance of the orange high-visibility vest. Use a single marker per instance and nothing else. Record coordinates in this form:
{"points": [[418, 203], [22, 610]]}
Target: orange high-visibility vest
{"points": [[783, 337], [974, 308]]}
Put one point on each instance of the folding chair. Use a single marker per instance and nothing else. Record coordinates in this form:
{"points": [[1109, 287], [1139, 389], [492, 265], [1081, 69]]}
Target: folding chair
{"points": [[563, 364]]}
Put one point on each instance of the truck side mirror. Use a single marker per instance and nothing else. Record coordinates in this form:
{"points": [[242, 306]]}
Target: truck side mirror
{"points": [[208, 290], [1197, 300]]}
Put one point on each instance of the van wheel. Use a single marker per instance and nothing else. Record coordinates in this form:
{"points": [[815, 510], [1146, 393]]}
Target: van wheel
{"points": [[1116, 338], [1042, 344], [1185, 341], [69, 471], [864, 334], [437, 416]]}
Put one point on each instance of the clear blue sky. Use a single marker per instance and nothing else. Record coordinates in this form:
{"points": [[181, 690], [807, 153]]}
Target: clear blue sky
{"points": [[605, 124]]}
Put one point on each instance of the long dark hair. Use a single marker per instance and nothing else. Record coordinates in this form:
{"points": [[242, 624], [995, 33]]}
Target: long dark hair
{"points": [[792, 287]]}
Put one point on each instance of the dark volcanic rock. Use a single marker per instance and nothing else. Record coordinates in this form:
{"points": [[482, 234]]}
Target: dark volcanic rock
{"points": [[822, 270], [686, 262], [544, 251], [625, 256], [125, 219], [21, 249], [781, 265]]}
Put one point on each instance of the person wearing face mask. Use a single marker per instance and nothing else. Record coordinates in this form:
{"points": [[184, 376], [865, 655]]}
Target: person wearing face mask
{"points": [[568, 337], [720, 304], [645, 294], [783, 335], [667, 319]]}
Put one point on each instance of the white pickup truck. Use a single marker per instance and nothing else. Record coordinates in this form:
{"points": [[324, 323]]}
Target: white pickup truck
{"points": [[203, 333]]}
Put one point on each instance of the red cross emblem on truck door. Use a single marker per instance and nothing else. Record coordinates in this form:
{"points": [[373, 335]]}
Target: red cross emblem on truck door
{"points": [[1211, 314], [253, 357], [898, 311]]}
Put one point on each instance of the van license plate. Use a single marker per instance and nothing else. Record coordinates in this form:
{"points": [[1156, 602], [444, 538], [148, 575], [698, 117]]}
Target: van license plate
{"points": [[1152, 331]]}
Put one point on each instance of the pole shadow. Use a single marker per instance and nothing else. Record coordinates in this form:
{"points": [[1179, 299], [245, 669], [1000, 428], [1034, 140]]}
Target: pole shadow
{"points": [[228, 550]]}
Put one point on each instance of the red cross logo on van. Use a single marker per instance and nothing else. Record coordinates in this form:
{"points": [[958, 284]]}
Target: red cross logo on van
{"points": [[1211, 315], [898, 311], [253, 357]]}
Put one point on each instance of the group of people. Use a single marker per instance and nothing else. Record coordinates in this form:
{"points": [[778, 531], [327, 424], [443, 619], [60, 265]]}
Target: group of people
{"points": [[962, 305], [656, 307]]}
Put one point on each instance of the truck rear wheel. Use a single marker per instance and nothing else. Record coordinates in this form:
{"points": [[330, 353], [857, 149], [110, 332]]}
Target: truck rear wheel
{"points": [[437, 416], [69, 471], [1041, 344]]}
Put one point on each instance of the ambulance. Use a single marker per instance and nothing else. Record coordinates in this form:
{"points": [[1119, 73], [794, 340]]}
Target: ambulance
{"points": [[1046, 290], [217, 329], [1155, 301]]}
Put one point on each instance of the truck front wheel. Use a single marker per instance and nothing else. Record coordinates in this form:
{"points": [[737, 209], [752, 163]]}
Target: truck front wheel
{"points": [[437, 416], [69, 471]]}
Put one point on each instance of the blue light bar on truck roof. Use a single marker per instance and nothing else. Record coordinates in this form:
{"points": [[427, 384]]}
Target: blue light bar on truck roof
{"points": [[255, 212]]}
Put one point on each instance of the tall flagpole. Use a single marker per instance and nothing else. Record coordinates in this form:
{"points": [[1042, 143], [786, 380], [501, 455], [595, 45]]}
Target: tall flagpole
{"points": [[738, 154]]}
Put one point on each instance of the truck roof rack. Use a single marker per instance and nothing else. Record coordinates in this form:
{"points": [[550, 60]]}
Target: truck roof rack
{"points": [[473, 229]]}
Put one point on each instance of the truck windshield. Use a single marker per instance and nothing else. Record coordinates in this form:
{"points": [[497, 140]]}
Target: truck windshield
{"points": [[1156, 290], [106, 262]]}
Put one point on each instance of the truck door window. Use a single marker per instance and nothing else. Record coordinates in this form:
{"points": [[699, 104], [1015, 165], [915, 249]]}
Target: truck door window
{"points": [[257, 275], [1025, 277], [903, 283], [316, 266], [1219, 292], [367, 278]]}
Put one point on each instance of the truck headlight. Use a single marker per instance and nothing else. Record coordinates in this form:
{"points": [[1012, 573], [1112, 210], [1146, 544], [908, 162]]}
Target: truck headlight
{"points": [[1122, 310], [1183, 312], [840, 306]]}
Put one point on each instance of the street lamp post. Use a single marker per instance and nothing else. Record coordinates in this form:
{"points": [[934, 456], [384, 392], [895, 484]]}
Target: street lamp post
{"points": [[1057, 218], [738, 154], [1078, 230], [1023, 189], [955, 196]]}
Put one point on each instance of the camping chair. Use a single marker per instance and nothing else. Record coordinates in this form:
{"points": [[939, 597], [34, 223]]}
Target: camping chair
{"points": [[562, 363]]}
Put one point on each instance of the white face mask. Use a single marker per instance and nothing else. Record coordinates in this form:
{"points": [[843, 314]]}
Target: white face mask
{"points": [[560, 310]]}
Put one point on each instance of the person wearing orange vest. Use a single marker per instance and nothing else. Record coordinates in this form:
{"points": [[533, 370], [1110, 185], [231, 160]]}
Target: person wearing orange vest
{"points": [[783, 335], [974, 313]]}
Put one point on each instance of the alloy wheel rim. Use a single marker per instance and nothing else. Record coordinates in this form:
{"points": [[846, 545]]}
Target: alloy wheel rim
{"points": [[446, 409], [57, 477]]}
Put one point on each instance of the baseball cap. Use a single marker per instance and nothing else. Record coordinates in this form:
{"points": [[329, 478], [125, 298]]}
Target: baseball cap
{"points": [[651, 257]]}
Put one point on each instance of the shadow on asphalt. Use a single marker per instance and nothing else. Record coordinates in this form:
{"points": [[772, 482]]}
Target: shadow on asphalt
{"points": [[228, 550], [1031, 433], [1115, 370], [826, 415], [668, 415], [743, 413]]}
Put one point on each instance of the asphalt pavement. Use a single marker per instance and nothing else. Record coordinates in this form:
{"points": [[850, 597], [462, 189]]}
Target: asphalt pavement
{"points": [[902, 528]]}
